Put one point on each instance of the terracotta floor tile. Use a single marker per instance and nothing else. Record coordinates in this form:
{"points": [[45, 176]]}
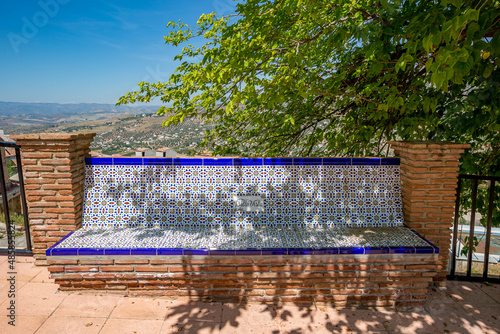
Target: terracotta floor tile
{"points": [[25, 259], [250, 318], [42, 277], [27, 271], [438, 301], [461, 291], [4, 269], [487, 318], [196, 327], [456, 320], [39, 288], [492, 290], [73, 325], [35, 299], [25, 324], [409, 323], [132, 326], [463, 307], [87, 306], [184, 311], [140, 308], [347, 321], [19, 279], [5, 287]]}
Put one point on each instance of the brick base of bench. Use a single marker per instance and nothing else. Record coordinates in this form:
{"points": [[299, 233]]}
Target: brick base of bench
{"points": [[395, 280]]}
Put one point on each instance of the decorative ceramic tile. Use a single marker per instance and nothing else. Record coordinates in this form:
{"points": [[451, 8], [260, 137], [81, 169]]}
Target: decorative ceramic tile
{"points": [[199, 193]]}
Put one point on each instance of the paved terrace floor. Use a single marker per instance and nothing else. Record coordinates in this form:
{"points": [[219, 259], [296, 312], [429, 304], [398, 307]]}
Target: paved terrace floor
{"points": [[462, 308]]}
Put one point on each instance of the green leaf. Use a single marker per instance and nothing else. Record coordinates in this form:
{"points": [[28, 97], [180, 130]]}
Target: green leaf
{"points": [[436, 39], [472, 14], [426, 104], [428, 65], [427, 43], [488, 70], [433, 105]]}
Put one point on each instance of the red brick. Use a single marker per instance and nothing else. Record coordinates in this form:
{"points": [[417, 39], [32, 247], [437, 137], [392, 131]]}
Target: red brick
{"points": [[67, 276], [96, 262], [82, 268], [183, 268], [253, 268], [286, 268], [218, 269], [131, 261], [117, 268]]}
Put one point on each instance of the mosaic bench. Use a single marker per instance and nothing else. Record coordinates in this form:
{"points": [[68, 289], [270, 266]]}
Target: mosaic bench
{"points": [[246, 229]]}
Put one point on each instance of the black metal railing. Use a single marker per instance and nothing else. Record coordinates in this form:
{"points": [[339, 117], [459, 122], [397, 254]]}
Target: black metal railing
{"points": [[10, 229], [470, 242]]}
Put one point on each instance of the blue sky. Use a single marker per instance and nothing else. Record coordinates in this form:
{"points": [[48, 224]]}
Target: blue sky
{"points": [[73, 51]]}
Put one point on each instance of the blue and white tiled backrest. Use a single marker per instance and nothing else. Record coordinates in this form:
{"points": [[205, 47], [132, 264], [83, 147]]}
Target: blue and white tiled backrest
{"points": [[305, 192]]}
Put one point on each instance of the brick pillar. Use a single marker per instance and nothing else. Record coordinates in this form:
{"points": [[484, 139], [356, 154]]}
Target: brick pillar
{"points": [[54, 172], [429, 176]]}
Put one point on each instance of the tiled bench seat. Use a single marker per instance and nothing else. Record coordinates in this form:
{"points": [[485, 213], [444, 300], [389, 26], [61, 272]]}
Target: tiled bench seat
{"points": [[238, 241], [331, 230]]}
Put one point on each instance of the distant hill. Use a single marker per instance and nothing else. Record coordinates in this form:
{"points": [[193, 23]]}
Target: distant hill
{"points": [[37, 117], [17, 108], [119, 129]]}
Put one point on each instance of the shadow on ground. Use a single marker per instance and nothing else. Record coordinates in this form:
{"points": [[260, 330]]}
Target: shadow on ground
{"points": [[463, 307]]}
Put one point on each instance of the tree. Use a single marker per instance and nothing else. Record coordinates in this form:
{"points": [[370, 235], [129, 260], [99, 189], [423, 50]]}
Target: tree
{"points": [[323, 78]]}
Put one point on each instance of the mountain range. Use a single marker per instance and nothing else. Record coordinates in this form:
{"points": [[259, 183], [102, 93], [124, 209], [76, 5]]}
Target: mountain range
{"points": [[16, 108]]}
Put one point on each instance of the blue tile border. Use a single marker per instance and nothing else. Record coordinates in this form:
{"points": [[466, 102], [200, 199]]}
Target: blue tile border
{"points": [[218, 162], [225, 252], [248, 252], [158, 161], [337, 161], [377, 250], [187, 162], [300, 251], [99, 161], [326, 251], [248, 162], [307, 161], [274, 251], [169, 251], [431, 245], [117, 251], [243, 252], [424, 250], [133, 161], [402, 250], [61, 252], [351, 250], [128, 161], [390, 161], [278, 161], [91, 251], [366, 161], [143, 251], [195, 252], [47, 251]]}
